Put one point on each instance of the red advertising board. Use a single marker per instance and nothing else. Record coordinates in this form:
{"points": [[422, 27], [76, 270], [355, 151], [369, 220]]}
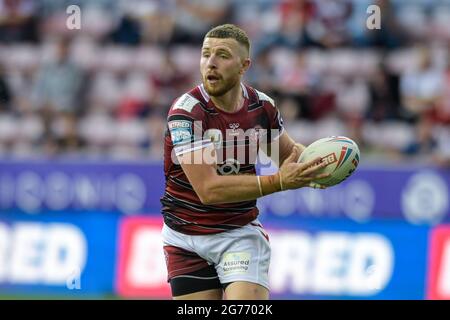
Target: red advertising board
{"points": [[141, 269], [439, 264]]}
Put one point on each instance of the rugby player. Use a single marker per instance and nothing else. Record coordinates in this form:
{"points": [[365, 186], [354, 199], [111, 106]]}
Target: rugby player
{"points": [[214, 244]]}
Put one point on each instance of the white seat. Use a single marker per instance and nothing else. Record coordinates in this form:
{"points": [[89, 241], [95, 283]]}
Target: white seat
{"points": [[390, 134], [106, 89], [130, 132], [138, 86], [9, 127], [148, 58], [116, 58], [97, 129]]}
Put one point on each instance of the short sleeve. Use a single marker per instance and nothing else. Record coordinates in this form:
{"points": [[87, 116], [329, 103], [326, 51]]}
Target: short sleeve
{"points": [[186, 126], [275, 120], [276, 126]]}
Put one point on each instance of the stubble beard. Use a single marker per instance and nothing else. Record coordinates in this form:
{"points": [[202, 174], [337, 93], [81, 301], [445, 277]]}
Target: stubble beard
{"points": [[220, 89]]}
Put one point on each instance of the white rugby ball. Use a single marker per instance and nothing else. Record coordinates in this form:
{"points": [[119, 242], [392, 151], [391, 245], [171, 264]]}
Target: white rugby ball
{"points": [[341, 154]]}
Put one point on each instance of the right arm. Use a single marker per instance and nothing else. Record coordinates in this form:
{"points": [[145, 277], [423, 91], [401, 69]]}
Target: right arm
{"points": [[185, 124], [212, 188]]}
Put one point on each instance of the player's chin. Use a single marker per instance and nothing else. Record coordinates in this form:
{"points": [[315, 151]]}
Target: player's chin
{"points": [[215, 89], [219, 88]]}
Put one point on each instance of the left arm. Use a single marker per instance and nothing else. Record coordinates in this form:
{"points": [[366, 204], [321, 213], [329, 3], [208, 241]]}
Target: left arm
{"points": [[285, 147]]}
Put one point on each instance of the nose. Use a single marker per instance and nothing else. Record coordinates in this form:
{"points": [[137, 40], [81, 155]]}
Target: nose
{"points": [[211, 62]]}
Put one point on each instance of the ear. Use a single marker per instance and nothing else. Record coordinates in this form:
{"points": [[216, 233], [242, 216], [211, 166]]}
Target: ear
{"points": [[245, 66]]}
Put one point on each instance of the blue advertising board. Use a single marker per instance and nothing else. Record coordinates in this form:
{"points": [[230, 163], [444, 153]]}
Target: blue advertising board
{"points": [[61, 186], [419, 195], [311, 259], [58, 254], [346, 260]]}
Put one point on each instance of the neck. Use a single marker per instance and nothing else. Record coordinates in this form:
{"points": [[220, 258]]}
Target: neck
{"points": [[230, 101]]}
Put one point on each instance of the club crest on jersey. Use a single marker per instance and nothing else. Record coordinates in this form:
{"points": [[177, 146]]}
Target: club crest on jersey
{"points": [[234, 126]]}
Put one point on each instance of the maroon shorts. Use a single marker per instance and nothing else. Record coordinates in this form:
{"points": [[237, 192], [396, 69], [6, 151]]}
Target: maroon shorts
{"points": [[180, 261]]}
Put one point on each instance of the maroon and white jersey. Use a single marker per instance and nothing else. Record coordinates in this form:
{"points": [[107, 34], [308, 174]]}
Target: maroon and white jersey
{"points": [[194, 123]]}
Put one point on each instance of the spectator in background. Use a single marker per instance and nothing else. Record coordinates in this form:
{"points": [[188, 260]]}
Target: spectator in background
{"points": [[58, 82], [64, 134], [157, 21], [132, 85], [292, 16], [423, 144], [383, 90], [168, 81], [421, 88], [327, 26], [390, 35], [441, 112], [193, 18], [262, 72], [143, 21], [128, 32], [290, 110], [441, 121], [153, 145], [5, 92], [352, 101], [296, 77], [296, 80], [441, 155], [18, 22]]}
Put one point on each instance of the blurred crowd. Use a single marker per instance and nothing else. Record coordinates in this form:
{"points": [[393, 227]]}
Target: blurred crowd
{"points": [[104, 90]]}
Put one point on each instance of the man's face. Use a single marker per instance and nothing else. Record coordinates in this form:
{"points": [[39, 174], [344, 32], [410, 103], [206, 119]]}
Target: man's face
{"points": [[222, 63]]}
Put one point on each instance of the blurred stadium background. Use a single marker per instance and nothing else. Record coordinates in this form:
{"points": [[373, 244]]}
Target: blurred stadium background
{"points": [[82, 116]]}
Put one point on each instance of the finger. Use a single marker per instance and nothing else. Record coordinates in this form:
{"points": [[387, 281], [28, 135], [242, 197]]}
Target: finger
{"points": [[313, 185], [322, 176], [306, 180], [316, 185], [312, 169], [312, 162], [293, 157]]}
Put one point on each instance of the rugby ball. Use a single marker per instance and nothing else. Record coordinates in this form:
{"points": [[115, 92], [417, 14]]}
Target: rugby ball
{"points": [[341, 154]]}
